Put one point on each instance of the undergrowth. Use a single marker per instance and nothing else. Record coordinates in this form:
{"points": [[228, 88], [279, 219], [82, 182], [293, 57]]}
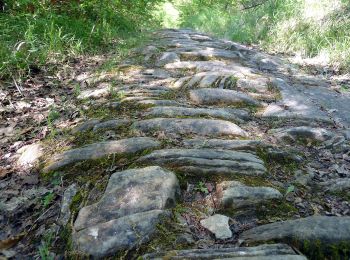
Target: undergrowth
{"points": [[35, 34], [306, 28]]}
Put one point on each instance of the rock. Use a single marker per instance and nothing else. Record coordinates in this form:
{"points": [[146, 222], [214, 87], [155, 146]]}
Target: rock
{"points": [[30, 154], [210, 54], [337, 185], [124, 233], [316, 232], [212, 96], [303, 178], [227, 114], [202, 127], [261, 252], [155, 102], [168, 57], [100, 150], [218, 225], [111, 124], [127, 214], [259, 85], [86, 126], [302, 133], [206, 161], [68, 196], [196, 65], [129, 192], [95, 93], [237, 145], [234, 195]]}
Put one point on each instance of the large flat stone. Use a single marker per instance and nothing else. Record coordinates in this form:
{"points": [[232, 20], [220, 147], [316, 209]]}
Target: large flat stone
{"points": [[124, 233], [239, 145], [262, 252], [302, 133], [202, 127], [129, 192], [316, 231], [213, 96], [210, 54], [159, 102], [227, 114], [100, 150], [127, 213], [206, 161], [234, 195]]}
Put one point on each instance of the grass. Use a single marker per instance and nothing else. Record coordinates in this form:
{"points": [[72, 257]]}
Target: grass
{"points": [[35, 34], [309, 28]]}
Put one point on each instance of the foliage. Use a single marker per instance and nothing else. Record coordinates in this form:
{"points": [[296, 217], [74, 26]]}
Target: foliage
{"points": [[39, 32], [310, 28]]}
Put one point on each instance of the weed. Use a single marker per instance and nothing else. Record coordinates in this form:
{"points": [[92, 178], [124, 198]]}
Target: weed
{"points": [[44, 248], [47, 199]]}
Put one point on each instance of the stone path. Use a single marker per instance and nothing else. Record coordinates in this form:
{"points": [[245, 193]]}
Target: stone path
{"points": [[209, 144]]}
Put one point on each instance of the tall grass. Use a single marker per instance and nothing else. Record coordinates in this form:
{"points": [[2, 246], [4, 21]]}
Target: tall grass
{"points": [[311, 28], [36, 33]]}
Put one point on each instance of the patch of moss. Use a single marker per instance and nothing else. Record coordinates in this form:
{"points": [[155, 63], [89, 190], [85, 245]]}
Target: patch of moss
{"points": [[275, 210], [321, 250]]}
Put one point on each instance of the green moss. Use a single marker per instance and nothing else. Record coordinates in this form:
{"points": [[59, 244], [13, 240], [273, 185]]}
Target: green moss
{"points": [[320, 250], [276, 210]]}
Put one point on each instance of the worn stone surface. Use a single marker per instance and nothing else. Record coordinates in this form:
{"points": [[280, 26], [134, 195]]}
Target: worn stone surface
{"points": [[264, 252], [302, 133], [168, 57], [259, 85], [202, 127], [337, 185], [129, 192], [102, 149], [111, 124], [68, 195], [127, 213], [159, 102], [233, 194], [239, 145], [124, 233], [207, 161], [210, 96], [30, 154], [218, 225], [316, 229], [86, 126], [210, 54], [227, 114]]}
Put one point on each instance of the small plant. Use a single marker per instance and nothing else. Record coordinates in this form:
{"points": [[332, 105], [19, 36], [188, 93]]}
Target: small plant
{"points": [[44, 248], [77, 90], [47, 199], [290, 189], [201, 187]]}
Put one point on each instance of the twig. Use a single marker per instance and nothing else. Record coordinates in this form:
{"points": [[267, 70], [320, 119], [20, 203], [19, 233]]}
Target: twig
{"points": [[17, 86], [253, 6]]}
